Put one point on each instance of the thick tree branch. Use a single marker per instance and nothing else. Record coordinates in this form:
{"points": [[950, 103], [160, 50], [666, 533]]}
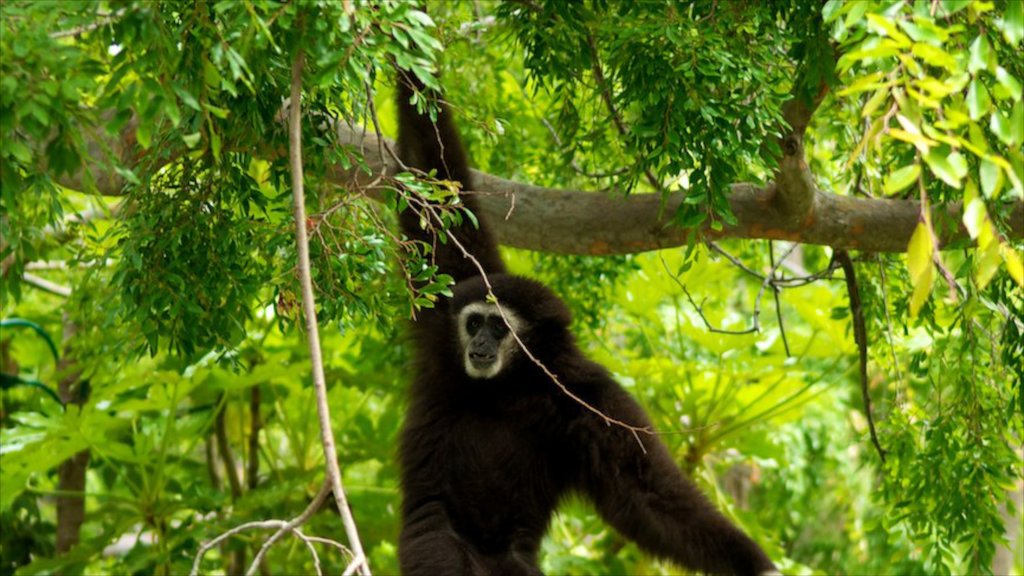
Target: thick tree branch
{"points": [[577, 222]]}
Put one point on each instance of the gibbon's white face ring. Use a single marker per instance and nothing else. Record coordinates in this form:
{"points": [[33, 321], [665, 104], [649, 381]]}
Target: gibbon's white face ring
{"points": [[506, 348]]}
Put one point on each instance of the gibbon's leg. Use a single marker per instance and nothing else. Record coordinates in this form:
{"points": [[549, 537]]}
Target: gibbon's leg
{"points": [[648, 499], [428, 546]]}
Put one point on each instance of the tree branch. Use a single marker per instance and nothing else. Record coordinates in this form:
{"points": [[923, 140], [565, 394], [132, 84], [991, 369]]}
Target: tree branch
{"points": [[309, 311], [577, 222]]}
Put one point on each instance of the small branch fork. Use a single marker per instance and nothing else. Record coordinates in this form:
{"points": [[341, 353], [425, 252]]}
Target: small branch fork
{"points": [[770, 280], [283, 528]]}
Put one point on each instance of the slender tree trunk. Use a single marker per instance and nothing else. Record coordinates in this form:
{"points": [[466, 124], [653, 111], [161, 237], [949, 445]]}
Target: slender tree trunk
{"points": [[71, 474]]}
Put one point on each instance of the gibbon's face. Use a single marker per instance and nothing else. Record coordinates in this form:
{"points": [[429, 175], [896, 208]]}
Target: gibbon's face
{"points": [[487, 344]]}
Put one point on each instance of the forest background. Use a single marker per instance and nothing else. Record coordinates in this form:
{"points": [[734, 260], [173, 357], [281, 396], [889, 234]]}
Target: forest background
{"points": [[792, 230]]}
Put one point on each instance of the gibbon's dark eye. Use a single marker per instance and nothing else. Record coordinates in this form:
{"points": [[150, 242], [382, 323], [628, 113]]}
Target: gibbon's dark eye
{"points": [[473, 323], [499, 327]]}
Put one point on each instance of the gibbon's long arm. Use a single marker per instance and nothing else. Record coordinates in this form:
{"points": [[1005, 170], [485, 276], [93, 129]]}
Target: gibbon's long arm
{"points": [[427, 146], [649, 500]]}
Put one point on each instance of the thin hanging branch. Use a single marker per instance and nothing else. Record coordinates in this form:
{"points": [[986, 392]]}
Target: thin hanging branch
{"points": [[860, 336], [309, 311], [332, 482]]}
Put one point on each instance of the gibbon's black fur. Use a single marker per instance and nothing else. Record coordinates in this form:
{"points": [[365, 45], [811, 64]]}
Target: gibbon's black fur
{"points": [[490, 444]]}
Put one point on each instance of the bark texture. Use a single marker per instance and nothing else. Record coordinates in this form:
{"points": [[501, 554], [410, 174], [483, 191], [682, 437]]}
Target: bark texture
{"points": [[577, 222]]}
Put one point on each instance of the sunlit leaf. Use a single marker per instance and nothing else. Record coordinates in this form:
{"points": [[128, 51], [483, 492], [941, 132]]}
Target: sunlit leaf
{"points": [[1012, 23], [975, 217], [980, 54], [941, 166], [1014, 264], [978, 102], [991, 178], [919, 264], [987, 264], [901, 179]]}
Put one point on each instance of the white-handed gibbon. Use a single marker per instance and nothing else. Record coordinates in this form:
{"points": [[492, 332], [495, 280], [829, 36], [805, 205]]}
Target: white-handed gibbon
{"points": [[491, 444]]}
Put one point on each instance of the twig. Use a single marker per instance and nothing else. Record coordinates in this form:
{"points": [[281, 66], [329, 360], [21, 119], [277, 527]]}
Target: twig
{"points": [[775, 292], [860, 336], [309, 311], [292, 526], [767, 280], [888, 327], [45, 285], [736, 261], [104, 19], [700, 307], [283, 527]]}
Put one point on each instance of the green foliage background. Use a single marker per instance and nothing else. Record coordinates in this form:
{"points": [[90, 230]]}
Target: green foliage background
{"points": [[185, 295]]}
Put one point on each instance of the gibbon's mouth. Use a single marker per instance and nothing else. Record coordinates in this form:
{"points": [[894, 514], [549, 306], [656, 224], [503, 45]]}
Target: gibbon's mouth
{"points": [[482, 361]]}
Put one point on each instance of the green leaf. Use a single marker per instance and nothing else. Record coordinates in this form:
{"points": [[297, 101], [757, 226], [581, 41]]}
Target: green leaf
{"points": [[885, 25], [874, 102], [19, 150], [959, 165], [935, 56], [975, 217], [991, 178], [187, 98], [987, 264], [1017, 124], [144, 134], [1008, 83], [919, 264], [941, 166], [1014, 264], [980, 53], [1000, 126], [901, 179], [978, 101], [1012, 23]]}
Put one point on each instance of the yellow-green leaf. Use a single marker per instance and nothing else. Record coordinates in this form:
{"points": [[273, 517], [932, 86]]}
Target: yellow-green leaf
{"points": [[869, 82], [980, 54], [144, 134], [922, 289], [987, 264], [884, 25], [991, 178], [923, 144], [941, 166], [902, 178], [874, 102], [919, 264], [935, 56], [978, 101], [1014, 265], [974, 218], [919, 252]]}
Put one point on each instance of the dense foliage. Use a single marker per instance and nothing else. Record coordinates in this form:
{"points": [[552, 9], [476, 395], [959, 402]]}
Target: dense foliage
{"points": [[168, 317]]}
